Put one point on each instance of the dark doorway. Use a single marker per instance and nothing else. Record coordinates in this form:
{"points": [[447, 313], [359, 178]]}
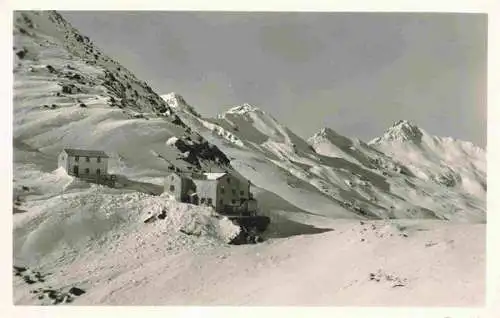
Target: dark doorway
{"points": [[194, 199], [75, 170]]}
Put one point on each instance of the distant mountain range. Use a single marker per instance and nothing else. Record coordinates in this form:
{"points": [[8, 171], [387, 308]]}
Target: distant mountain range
{"points": [[406, 173]]}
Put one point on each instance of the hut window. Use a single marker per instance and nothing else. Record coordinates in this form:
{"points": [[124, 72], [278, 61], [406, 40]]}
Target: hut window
{"points": [[228, 180], [98, 159], [222, 190], [87, 170], [242, 192], [172, 188], [221, 201], [233, 201], [234, 191], [77, 158], [87, 159]]}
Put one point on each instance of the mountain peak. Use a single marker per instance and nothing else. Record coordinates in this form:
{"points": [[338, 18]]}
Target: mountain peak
{"points": [[177, 102], [403, 130], [324, 132], [173, 99], [328, 133], [243, 109], [404, 123]]}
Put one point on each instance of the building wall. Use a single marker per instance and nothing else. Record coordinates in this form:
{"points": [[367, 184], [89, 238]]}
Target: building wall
{"points": [[182, 186], [175, 181], [233, 190], [244, 189], [226, 191], [188, 186], [62, 161], [92, 165], [225, 187], [207, 190]]}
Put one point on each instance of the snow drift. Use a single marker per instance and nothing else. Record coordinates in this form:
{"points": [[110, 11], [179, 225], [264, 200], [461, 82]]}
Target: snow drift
{"points": [[100, 219]]}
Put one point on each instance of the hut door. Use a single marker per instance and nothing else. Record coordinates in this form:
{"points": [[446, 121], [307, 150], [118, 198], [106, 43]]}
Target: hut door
{"points": [[75, 170]]}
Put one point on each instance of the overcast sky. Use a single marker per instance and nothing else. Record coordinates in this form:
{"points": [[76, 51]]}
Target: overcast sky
{"points": [[356, 73]]}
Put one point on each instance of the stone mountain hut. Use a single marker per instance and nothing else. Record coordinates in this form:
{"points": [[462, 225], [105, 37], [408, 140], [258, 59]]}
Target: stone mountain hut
{"points": [[180, 186], [221, 190], [84, 163]]}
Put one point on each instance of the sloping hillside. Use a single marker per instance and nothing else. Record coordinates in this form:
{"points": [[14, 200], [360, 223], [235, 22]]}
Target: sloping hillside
{"points": [[69, 94]]}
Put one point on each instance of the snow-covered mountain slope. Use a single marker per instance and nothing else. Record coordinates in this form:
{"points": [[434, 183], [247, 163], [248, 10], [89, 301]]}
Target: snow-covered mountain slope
{"points": [[44, 36], [329, 143], [69, 94], [330, 175], [453, 163]]}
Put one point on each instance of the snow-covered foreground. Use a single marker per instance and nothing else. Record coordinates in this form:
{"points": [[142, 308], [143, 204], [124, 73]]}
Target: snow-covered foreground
{"points": [[95, 238], [403, 263], [75, 232]]}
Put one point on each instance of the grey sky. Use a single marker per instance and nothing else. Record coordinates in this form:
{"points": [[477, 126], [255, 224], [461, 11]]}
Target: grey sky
{"points": [[356, 73]]}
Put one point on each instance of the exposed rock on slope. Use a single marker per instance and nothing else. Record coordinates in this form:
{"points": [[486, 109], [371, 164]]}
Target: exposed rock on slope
{"points": [[48, 28]]}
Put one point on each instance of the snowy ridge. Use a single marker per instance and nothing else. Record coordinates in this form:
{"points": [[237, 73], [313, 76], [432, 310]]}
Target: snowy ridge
{"points": [[403, 130], [243, 109], [327, 142], [247, 118], [51, 33], [219, 131], [177, 102]]}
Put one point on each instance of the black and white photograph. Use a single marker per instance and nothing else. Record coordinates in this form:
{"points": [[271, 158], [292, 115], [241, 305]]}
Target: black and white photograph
{"points": [[249, 158]]}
